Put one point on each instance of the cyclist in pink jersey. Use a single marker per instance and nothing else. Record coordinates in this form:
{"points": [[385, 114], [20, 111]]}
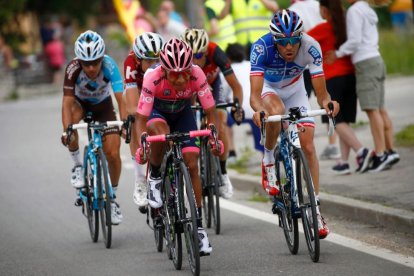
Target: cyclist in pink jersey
{"points": [[165, 107]]}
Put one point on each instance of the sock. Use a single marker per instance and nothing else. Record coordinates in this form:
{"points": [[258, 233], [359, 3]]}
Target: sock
{"points": [[155, 172], [223, 166], [76, 157], [140, 171], [268, 157], [200, 218], [114, 189]]}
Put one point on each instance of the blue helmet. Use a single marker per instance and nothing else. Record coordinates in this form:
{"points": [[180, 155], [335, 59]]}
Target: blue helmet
{"points": [[89, 46], [286, 23]]}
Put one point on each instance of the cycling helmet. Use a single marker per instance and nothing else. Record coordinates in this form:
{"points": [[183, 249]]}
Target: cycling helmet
{"points": [[148, 45], [89, 46], [286, 23], [197, 39], [176, 55]]}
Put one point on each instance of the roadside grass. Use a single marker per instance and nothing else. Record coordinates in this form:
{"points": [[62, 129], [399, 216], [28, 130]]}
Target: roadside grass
{"points": [[359, 123], [12, 96], [405, 137], [257, 197], [241, 163]]}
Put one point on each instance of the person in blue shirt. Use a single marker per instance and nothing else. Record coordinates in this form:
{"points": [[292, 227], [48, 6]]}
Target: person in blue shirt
{"points": [[278, 60], [89, 80]]}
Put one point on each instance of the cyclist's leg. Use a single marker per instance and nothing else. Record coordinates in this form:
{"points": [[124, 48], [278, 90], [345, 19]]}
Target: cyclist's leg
{"points": [[77, 180], [111, 146]]}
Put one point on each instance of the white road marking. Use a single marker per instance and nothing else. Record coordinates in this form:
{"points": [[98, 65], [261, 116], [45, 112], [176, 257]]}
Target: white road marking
{"points": [[334, 238]]}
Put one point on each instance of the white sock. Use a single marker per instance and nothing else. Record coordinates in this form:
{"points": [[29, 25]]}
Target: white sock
{"points": [[76, 157], [268, 157], [140, 171]]}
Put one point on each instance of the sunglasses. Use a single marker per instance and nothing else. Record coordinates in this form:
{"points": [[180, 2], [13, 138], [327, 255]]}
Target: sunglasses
{"points": [[91, 62], [198, 55], [151, 55], [175, 75], [288, 40]]}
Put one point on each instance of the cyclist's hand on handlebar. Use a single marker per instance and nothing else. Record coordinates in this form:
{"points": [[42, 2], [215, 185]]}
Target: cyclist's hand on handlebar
{"points": [[64, 139], [139, 156], [217, 151], [332, 108], [257, 119]]}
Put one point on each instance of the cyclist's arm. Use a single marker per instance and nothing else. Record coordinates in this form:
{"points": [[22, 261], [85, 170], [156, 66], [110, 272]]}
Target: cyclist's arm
{"points": [[121, 106], [256, 86], [271, 5], [67, 104], [235, 86], [140, 126]]}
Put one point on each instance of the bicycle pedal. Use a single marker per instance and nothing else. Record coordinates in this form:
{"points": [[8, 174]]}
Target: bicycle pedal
{"points": [[78, 202], [202, 254], [143, 209], [275, 210]]}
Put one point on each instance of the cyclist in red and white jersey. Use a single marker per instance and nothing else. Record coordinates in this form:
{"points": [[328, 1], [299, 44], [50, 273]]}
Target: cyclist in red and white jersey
{"points": [[89, 80], [165, 107], [145, 53], [212, 59]]}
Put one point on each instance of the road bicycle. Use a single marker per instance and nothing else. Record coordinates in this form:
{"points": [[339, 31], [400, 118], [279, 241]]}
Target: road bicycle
{"points": [[97, 194], [210, 172], [296, 198], [178, 213]]}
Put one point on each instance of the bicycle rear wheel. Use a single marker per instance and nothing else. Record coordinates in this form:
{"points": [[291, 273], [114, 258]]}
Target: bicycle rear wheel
{"points": [[307, 203], [188, 218], [92, 214], [215, 193], [287, 220], [104, 197]]}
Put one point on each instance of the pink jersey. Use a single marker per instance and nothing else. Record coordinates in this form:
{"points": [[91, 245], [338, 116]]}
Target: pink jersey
{"points": [[159, 94]]}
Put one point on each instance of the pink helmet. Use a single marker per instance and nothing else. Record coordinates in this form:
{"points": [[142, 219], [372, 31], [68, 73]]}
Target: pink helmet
{"points": [[176, 55]]}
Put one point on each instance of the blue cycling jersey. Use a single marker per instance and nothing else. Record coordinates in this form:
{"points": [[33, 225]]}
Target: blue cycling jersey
{"points": [[266, 61]]}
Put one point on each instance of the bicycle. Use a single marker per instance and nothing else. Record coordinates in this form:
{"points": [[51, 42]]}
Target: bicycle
{"points": [[210, 172], [296, 198], [97, 194], [178, 212]]}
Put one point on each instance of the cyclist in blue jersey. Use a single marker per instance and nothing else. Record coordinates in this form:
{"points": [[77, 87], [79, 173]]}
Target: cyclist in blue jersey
{"points": [[89, 80], [278, 60]]}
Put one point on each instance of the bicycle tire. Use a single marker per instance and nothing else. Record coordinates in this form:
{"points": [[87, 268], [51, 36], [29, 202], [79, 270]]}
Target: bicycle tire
{"points": [[92, 214], [307, 203], [288, 221], [189, 220], [215, 193], [171, 232], [104, 197], [158, 229]]}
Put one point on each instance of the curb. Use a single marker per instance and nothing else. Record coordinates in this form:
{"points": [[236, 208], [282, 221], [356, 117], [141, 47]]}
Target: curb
{"points": [[375, 214]]}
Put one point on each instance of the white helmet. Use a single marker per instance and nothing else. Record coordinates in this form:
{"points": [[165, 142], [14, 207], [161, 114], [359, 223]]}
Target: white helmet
{"points": [[89, 46], [197, 39], [148, 45]]}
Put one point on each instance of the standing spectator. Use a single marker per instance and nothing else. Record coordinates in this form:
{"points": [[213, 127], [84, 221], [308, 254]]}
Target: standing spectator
{"points": [[220, 29], [6, 55], [167, 27], [251, 19], [169, 7], [340, 82], [362, 45], [241, 67], [55, 56]]}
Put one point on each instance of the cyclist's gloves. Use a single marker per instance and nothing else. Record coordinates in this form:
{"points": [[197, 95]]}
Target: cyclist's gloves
{"points": [[139, 156], [238, 115], [214, 149]]}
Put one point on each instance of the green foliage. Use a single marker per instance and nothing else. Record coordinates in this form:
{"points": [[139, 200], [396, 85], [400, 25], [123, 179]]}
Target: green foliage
{"points": [[406, 136], [397, 51], [259, 198]]}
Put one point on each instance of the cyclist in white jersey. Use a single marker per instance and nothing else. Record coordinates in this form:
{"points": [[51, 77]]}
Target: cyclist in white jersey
{"points": [[278, 60], [89, 80]]}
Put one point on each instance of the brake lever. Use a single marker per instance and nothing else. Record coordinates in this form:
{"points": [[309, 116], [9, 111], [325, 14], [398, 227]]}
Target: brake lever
{"points": [[262, 128]]}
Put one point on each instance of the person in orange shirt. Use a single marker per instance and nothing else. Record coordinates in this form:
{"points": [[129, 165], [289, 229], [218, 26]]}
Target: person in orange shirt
{"points": [[341, 84]]}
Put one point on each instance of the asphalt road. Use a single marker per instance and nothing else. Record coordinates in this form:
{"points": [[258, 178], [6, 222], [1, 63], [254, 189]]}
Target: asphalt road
{"points": [[43, 233]]}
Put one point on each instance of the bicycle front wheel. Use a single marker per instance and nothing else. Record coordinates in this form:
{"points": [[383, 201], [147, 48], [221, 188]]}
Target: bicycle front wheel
{"points": [[287, 219], [307, 203], [92, 213], [215, 193], [104, 189], [205, 176], [188, 218], [158, 228]]}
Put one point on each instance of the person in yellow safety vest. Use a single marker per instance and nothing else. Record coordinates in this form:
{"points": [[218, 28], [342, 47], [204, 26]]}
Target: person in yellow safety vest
{"points": [[251, 19], [219, 28]]}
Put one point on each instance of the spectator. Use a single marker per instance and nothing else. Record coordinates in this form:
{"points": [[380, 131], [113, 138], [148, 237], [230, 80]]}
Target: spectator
{"points": [[241, 67], [55, 56], [340, 82], [220, 29], [167, 27], [251, 19], [169, 7], [362, 45], [7, 61]]}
